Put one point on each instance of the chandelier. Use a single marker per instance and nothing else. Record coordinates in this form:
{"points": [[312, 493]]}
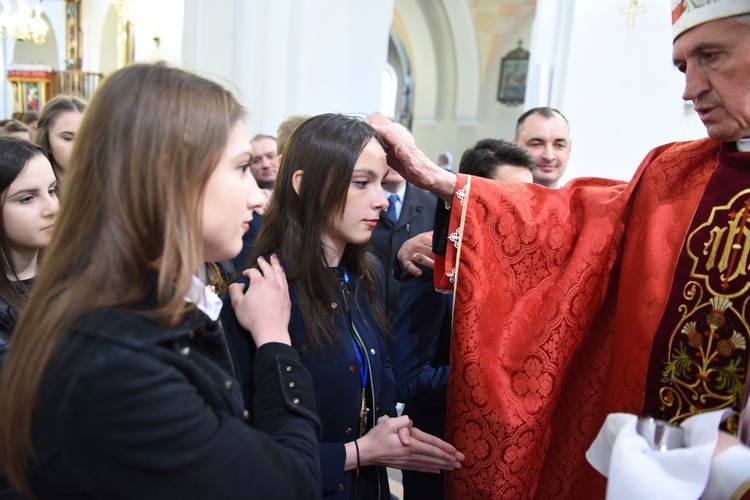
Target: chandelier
{"points": [[23, 24]]}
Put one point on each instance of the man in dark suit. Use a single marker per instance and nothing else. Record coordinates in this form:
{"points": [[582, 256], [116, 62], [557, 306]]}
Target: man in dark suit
{"points": [[411, 211]]}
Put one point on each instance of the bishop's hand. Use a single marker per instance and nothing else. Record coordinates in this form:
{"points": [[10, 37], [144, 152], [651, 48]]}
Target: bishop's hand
{"points": [[413, 164]]}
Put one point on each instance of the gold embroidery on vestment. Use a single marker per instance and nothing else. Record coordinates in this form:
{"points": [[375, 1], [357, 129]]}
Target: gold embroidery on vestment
{"points": [[707, 358]]}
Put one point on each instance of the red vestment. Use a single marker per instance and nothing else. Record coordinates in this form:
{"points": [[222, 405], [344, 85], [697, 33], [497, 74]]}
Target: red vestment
{"points": [[558, 295]]}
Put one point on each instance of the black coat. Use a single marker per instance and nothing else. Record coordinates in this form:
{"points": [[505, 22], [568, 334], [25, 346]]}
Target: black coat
{"points": [[8, 322], [9, 318], [134, 410], [417, 216]]}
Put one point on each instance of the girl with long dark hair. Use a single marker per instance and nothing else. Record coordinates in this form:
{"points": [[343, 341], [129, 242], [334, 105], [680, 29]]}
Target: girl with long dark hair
{"points": [[326, 202]]}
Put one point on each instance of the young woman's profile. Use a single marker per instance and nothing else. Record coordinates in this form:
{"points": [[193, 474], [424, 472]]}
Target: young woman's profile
{"points": [[118, 383]]}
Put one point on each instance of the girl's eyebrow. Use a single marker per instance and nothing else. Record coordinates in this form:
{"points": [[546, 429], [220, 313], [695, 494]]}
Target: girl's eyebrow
{"points": [[365, 170], [24, 191]]}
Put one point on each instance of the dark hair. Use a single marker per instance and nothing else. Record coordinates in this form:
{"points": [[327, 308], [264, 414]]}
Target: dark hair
{"points": [[544, 111], [326, 148], [15, 126], [56, 106], [160, 133], [486, 155], [15, 155], [285, 130]]}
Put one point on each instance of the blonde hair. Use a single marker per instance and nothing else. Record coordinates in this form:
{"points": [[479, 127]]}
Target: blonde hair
{"points": [[130, 220]]}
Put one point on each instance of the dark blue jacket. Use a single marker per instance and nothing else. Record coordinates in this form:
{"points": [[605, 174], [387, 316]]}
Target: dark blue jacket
{"points": [[420, 352], [131, 409], [338, 390], [420, 349], [239, 263]]}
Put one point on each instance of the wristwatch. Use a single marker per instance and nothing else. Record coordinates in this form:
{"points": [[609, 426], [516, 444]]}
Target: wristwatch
{"points": [[659, 434]]}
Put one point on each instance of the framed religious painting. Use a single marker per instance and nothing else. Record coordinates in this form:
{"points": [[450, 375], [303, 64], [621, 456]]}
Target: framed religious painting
{"points": [[72, 34], [513, 70], [32, 97]]}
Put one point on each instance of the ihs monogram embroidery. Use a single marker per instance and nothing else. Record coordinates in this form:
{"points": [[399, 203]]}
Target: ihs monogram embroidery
{"points": [[707, 360], [719, 248]]}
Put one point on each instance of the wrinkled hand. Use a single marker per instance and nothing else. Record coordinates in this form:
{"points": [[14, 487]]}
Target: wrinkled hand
{"points": [[417, 250], [396, 443], [413, 164], [264, 310]]}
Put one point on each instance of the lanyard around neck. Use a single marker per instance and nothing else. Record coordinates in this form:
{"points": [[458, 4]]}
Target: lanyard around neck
{"points": [[361, 356]]}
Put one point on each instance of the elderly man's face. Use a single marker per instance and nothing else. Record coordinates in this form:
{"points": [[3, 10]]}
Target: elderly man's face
{"points": [[715, 58]]}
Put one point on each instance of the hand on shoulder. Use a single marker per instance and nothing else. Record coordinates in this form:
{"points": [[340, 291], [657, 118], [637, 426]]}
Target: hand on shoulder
{"points": [[265, 308]]}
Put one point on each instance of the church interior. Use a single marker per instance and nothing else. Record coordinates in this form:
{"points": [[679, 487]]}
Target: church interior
{"points": [[453, 71]]}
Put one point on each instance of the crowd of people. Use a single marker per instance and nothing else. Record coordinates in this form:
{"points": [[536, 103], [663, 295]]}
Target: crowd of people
{"points": [[186, 312]]}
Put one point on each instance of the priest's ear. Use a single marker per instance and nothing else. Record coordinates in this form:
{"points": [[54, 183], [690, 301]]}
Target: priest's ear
{"points": [[297, 181]]}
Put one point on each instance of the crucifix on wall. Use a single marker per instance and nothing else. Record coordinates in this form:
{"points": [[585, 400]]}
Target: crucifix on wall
{"points": [[631, 11]]}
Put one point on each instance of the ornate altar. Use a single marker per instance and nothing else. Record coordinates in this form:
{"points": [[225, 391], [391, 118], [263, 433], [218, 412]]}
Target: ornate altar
{"points": [[30, 86]]}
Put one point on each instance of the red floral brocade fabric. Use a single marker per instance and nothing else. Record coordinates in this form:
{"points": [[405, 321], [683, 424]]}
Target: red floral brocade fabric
{"points": [[558, 294]]}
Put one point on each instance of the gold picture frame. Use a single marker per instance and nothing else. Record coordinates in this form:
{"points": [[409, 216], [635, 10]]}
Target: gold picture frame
{"points": [[72, 34], [513, 71]]}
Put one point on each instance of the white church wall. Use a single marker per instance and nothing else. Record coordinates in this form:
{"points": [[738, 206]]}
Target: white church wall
{"points": [[343, 57], [162, 20], [468, 70], [98, 18], [210, 36], [55, 13], [550, 44], [621, 93], [288, 57], [32, 53], [99, 37]]}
